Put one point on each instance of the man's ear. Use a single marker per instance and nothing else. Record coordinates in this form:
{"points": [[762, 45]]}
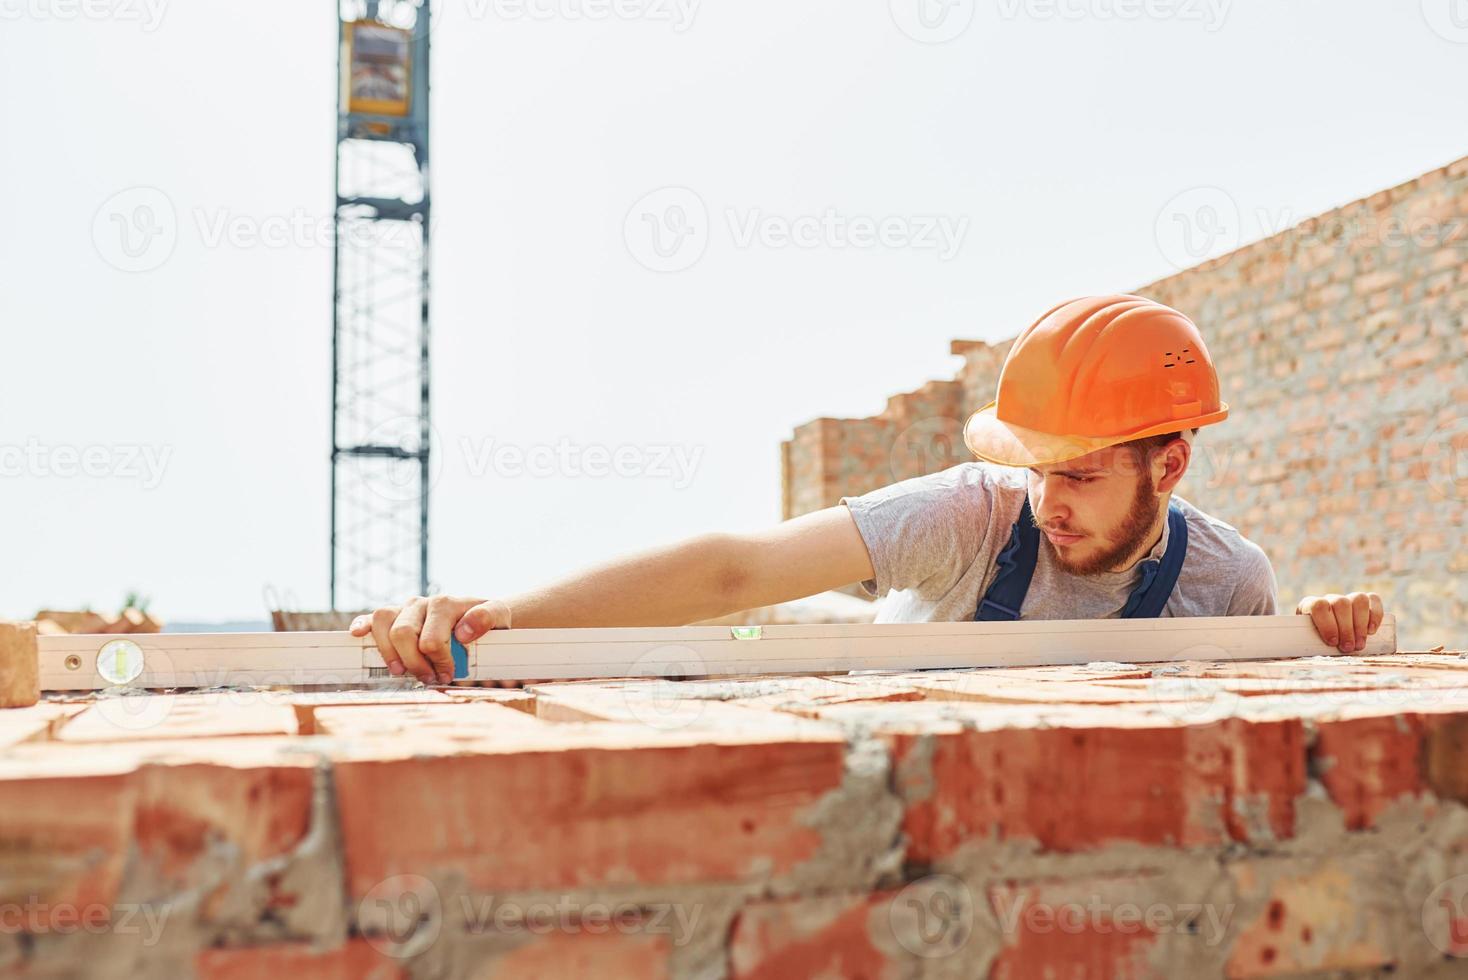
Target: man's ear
{"points": [[1171, 463]]}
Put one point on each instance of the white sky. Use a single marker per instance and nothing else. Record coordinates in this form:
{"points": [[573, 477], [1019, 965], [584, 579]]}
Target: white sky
{"points": [[1058, 136]]}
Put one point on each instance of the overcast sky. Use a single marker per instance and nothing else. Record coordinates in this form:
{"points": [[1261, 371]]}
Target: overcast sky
{"points": [[838, 189]]}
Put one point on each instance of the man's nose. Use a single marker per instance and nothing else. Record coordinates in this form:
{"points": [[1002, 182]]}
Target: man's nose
{"points": [[1048, 504]]}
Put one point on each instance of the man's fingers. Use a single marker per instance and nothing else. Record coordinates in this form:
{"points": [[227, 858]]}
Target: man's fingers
{"points": [[1360, 617], [1324, 619], [404, 636], [489, 615], [1340, 607], [381, 625], [1378, 613], [361, 626], [435, 641]]}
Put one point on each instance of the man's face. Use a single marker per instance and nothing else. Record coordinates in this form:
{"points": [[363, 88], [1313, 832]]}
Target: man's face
{"points": [[1095, 511]]}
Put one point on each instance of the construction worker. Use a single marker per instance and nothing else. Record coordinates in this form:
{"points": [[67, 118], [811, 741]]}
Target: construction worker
{"points": [[1051, 524]]}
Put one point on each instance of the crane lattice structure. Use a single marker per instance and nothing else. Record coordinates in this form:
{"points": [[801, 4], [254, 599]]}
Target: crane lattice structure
{"points": [[381, 452]]}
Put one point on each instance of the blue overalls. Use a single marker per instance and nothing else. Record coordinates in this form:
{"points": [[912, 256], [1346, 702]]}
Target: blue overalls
{"points": [[1016, 564]]}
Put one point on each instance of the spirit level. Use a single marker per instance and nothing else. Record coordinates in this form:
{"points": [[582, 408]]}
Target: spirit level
{"points": [[85, 662]]}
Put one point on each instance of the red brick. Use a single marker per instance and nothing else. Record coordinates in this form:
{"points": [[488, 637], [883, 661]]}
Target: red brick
{"points": [[1445, 755], [171, 716], [584, 805], [65, 830], [356, 960], [261, 810], [1368, 763], [156, 807], [1096, 776], [306, 703], [447, 719]]}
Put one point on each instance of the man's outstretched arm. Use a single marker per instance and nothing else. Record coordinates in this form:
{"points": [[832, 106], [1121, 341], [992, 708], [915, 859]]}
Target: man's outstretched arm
{"points": [[700, 578]]}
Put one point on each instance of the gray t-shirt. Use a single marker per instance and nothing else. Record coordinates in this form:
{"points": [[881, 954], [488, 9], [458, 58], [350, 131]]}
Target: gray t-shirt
{"points": [[933, 541]]}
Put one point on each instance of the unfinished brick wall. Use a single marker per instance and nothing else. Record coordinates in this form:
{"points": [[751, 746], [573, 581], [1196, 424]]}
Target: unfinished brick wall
{"points": [[1341, 350], [1242, 820]]}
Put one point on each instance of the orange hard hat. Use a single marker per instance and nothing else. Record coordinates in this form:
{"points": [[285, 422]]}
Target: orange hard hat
{"points": [[1092, 373]]}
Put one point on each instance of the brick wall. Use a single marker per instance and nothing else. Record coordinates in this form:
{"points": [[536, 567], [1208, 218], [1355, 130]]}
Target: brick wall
{"points": [[1341, 349], [1205, 819]]}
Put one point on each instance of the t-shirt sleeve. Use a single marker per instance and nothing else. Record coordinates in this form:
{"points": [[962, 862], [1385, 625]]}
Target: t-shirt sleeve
{"points": [[1255, 593], [923, 533]]}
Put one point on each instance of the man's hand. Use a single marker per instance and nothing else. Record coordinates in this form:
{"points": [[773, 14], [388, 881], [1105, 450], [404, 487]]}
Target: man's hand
{"points": [[1344, 621], [414, 638]]}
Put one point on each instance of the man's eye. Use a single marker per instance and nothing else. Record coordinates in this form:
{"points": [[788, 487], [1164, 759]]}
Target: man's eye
{"points": [[1081, 479]]}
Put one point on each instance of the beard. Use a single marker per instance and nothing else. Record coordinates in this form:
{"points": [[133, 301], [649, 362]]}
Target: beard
{"points": [[1125, 541]]}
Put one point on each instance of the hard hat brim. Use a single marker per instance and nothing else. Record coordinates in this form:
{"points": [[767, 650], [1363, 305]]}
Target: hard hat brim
{"points": [[995, 441]]}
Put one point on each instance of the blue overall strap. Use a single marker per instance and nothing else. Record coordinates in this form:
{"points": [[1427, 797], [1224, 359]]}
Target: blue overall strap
{"points": [[1159, 575], [1016, 565]]}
